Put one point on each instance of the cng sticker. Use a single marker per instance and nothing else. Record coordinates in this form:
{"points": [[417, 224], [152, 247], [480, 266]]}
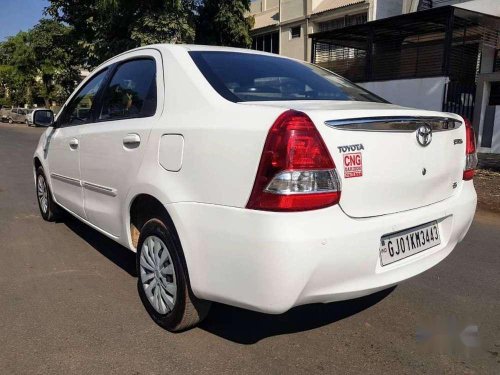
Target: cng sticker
{"points": [[353, 165]]}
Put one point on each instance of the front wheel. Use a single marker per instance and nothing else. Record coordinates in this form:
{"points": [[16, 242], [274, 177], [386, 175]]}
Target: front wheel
{"points": [[11, 121], [49, 209], [163, 282]]}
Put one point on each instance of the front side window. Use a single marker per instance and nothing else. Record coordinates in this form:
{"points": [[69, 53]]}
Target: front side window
{"points": [[243, 77], [79, 109], [131, 92]]}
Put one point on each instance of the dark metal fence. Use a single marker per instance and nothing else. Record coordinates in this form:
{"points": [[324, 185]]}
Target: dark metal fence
{"points": [[430, 43], [440, 42], [409, 46], [346, 61], [459, 98]]}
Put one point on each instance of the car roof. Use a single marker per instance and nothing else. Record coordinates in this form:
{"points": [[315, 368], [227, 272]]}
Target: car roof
{"points": [[175, 48]]}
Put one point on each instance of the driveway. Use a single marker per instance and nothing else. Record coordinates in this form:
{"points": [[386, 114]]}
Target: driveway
{"points": [[68, 304]]}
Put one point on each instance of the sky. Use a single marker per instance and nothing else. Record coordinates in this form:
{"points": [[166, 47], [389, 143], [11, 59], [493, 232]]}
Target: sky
{"points": [[19, 15]]}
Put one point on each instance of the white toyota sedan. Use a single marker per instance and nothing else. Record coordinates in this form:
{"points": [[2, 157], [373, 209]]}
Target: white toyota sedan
{"points": [[253, 179]]}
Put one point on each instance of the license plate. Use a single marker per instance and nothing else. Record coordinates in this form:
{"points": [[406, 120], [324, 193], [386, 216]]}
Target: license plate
{"points": [[408, 242]]}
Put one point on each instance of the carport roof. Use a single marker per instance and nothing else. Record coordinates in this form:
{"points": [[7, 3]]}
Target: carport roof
{"points": [[405, 25]]}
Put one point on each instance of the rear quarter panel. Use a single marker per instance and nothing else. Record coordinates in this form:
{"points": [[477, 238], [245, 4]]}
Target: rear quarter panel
{"points": [[223, 141]]}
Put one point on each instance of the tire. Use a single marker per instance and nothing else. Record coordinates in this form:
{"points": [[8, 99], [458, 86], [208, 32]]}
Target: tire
{"points": [[10, 121], [169, 300], [49, 209]]}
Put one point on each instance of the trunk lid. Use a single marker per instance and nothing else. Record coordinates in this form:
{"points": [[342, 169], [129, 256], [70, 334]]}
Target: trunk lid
{"points": [[382, 165]]}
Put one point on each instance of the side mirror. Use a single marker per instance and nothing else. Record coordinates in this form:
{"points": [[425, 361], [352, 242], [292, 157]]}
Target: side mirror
{"points": [[44, 117]]}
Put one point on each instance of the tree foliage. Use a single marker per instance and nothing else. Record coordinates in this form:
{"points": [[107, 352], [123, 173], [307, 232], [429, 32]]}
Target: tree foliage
{"points": [[224, 23], [45, 61], [57, 60], [17, 61], [105, 28], [40, 62]]}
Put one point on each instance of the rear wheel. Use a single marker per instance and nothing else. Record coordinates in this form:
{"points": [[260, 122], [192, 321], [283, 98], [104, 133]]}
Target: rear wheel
{"points": [[49, 209], [163, 282], [10, 121]]}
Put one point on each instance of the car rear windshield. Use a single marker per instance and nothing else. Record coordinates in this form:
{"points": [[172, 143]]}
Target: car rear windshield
{"points": [[244, 77]]}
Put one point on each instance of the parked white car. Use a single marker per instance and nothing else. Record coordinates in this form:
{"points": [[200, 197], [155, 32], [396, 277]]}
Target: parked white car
{"points": [[254, 180]]}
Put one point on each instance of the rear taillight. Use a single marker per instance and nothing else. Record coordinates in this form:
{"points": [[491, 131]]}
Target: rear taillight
{"points": [[470, 151], [296, 171]]}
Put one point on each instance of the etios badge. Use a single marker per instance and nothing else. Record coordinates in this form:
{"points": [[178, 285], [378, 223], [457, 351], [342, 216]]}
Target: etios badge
{"points": [[424, 135]]}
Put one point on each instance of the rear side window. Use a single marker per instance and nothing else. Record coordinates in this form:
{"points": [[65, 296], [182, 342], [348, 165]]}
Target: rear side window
{"points": [[242, 77], [131, 92]]}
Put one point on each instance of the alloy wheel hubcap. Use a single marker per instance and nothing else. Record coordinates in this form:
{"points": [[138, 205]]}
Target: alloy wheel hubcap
{"points": [[43, 196], [158, 275]]}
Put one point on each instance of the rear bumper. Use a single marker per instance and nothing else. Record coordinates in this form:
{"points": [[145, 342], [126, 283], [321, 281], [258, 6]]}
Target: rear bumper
{"points": [[271, 262]]}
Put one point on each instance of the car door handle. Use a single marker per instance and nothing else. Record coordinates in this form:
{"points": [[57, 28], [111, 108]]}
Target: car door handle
{"points": [[73, 144], [132, 140]]}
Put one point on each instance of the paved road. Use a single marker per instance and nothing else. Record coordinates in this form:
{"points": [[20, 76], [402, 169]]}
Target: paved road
{"points": [[68, 304]]}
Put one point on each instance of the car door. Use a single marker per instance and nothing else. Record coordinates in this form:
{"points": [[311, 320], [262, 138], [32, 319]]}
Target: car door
{"points": [[21, 115], [113, 146], [63, 146]]}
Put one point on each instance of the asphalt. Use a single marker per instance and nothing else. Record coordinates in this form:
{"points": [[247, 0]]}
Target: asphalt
{"points": [[69, 305]]}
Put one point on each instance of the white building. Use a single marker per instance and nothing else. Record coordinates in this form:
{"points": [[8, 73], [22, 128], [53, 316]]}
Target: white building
{"points": [[283, 26]]}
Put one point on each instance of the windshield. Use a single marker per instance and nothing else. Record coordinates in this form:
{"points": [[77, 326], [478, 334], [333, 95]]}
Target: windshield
{"points": [[243, 77]]}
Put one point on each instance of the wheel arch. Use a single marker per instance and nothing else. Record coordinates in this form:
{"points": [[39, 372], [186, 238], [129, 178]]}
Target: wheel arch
{"points": [[37, 163], [143, 207]]}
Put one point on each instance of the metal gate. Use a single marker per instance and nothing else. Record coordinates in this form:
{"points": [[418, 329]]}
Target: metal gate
{"points": [[459, 98]]}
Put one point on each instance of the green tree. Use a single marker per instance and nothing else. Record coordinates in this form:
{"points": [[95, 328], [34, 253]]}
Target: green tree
{"points": [[224, 23], [105, 28], [9, 81], [57, 60], [41, 62], [17, 72]]}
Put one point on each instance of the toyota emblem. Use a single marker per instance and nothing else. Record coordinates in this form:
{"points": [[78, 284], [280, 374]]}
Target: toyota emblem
{"points": [[424, 135]]}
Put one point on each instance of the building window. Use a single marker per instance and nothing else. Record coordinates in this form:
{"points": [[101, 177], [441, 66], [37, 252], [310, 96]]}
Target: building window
{"points": [[338, 23], [294, 32], [269, 42]]}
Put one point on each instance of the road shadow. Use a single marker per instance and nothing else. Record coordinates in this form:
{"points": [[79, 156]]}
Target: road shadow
{"points": [[119, 255], [249, 327]]}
